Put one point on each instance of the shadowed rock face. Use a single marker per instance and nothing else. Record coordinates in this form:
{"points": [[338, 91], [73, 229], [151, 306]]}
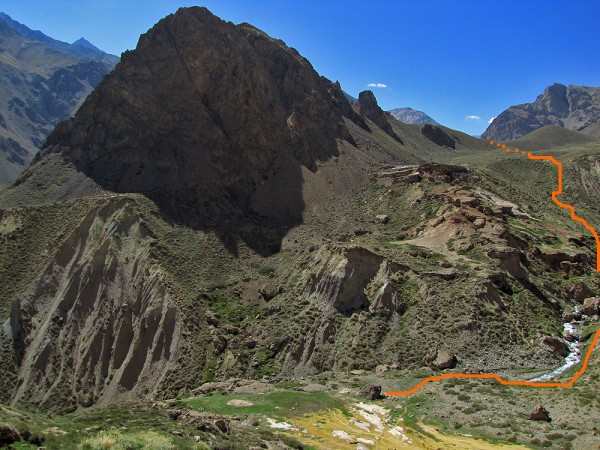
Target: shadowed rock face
{"points": [[437, 136], [213, 122]]}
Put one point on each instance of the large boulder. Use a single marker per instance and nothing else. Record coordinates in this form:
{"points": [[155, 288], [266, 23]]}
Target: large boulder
{"points": [[558, 346], [382, 218], [571, 316], [8, 435], [370, 392], [579, 291], [440, 359], [540, 413], [591, 306]]}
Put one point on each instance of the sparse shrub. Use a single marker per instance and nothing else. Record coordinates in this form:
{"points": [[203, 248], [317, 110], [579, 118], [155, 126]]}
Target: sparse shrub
{"points": [[116, 440]]}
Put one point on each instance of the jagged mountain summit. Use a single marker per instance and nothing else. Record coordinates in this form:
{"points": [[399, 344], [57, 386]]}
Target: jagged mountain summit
{"points": [[42, 81], [572, 107], [217, 210], [412, 116]]}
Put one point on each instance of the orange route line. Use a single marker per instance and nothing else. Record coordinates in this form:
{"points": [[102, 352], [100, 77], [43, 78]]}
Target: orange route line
{"points": [[559, 191], [567, 206], [493, 376]]}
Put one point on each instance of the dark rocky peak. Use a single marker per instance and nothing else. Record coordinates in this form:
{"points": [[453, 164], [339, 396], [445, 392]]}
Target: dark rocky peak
{"points": [[438, 136], [213, 122], [368, 107]]}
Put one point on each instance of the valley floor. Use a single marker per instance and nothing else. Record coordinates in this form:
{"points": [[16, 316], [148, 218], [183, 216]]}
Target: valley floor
{"points": [[327, 411]]}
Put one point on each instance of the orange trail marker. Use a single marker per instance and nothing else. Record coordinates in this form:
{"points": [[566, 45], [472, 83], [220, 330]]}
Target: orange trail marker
{"points": [[494, 376]]}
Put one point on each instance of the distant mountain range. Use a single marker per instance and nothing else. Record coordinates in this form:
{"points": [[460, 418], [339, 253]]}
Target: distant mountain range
{"points": [[409, 115], [572, 107], [42, 81]]}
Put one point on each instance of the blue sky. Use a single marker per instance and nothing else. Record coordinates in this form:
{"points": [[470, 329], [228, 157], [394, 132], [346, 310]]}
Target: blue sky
{"points": [[453, 59]]}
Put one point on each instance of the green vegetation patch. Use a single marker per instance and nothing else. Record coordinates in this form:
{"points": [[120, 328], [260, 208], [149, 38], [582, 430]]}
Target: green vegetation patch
{"points": [[230, 307], [279, 404]]}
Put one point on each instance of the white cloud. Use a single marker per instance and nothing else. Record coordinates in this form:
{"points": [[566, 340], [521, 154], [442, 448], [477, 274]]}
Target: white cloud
{"points": [[491, 120], [473, 117], [377, 85]]}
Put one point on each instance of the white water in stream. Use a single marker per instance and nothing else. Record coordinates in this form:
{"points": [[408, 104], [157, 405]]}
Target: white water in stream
{"points": [[571, 359]]}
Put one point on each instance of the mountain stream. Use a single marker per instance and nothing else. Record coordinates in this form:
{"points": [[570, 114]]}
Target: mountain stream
{"points": [[574, 357]]}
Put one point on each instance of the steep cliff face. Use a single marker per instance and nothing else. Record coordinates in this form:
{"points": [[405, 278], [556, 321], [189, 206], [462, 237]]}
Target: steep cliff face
{"points": [[572, 107], [207, 119], [368, 108], [99, 320]]}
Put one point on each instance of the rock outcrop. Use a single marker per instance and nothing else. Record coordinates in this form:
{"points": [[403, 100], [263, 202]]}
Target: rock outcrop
{"points": [[415, 173], [368, 107], [338, 282]]}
